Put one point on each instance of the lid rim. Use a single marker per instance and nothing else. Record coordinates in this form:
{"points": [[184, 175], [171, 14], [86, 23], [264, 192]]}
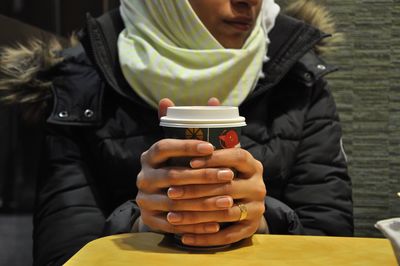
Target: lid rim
{"points": [[202, 121], [202, 115], [235, 125]]}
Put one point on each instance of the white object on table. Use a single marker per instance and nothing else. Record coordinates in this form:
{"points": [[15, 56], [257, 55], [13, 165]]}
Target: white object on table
{"points": [[391, 229]]}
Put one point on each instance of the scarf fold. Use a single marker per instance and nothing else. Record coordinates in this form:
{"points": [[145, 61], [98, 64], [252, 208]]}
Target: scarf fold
{"points": [[165, 51]]}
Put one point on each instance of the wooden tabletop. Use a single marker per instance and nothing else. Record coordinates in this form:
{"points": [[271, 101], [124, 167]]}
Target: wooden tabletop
{"points": [[156, 249]]}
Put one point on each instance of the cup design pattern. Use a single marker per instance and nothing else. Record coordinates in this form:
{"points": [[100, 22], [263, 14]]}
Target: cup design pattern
{"points": [[229, 139], [194, 133], [221, 138]]}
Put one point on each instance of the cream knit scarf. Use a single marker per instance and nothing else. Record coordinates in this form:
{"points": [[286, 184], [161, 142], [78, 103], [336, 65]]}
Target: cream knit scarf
{"points": [[166, 51]]}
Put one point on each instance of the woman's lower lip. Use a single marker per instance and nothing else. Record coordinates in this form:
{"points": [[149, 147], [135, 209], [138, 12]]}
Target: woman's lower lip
{"points": [[240, 26]]}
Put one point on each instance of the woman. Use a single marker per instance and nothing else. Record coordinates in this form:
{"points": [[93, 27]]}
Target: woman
{"points": [[104, 147]]}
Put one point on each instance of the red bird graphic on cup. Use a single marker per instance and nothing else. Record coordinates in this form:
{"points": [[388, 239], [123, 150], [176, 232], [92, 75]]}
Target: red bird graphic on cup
{"points": [[229, 139]]}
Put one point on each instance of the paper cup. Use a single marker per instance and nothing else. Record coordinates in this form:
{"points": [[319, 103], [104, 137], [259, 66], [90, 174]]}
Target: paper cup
{"points": [[219, 125]]}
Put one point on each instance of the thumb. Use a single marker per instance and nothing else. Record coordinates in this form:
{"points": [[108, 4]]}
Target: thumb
{"points": [[163, 106], [214, 102]]}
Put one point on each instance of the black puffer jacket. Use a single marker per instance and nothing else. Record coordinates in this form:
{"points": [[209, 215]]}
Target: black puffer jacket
{"points": [[97, 129]]}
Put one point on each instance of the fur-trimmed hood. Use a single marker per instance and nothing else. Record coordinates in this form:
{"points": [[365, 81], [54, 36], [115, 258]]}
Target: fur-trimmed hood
{"points": [[24, 68]]}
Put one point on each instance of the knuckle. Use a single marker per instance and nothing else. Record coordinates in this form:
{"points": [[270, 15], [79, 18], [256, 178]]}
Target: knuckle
{"points": [[186, 147], [261, 208], [227, 214], [141, 181], [194, 228], [172, 176], [206, 174], [191, 218], [205, 205], [226, 189], [187, 218], [140, 200], [190, 192], [171, 205], [159, 147], [162, 146], [201, 229], [204, 241], [143, 157], [241, 156], [261, 191], [259, 166], [209, 174]]}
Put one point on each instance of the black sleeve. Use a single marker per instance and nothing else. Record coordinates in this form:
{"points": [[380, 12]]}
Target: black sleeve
{"points": [[319, 188], [67, 214], [122, 218], [281, 219]]}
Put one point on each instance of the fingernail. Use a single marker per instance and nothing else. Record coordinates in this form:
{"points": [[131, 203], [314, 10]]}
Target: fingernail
{"points": [[188, 240], [211, 228], [175, 192], [196, 163], [205, 148], [224, 202], [225, 175], [173, 217]]}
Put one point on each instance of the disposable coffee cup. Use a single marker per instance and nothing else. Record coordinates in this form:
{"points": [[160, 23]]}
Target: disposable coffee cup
{"points": [[219, 125]]}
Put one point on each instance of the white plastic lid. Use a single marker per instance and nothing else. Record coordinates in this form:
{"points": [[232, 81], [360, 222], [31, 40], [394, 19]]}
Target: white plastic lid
{"points": [[203, 117]]}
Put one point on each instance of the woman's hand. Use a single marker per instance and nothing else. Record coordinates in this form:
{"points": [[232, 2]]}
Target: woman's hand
{"points": [[198, 199], [156, 179], [247, 188]]}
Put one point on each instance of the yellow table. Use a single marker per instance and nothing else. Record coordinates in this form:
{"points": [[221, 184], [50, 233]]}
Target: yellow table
{"points": [[155, 249]]}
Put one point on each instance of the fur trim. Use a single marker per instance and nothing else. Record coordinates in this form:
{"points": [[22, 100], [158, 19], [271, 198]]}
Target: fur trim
{"points": [[25, 75], [21, 68], [319, 17]]}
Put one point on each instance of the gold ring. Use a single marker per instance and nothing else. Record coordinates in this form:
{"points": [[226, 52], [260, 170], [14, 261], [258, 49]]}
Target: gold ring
{"points": [[243, 211]]}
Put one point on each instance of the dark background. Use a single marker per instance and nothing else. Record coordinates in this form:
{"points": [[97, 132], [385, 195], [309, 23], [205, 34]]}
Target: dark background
{"points": [[20, 142], [58, 16], [367, 91]]}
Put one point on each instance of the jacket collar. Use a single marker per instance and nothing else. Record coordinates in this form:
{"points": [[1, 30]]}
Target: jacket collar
{"points": [[286, 50], [99, 39]]}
